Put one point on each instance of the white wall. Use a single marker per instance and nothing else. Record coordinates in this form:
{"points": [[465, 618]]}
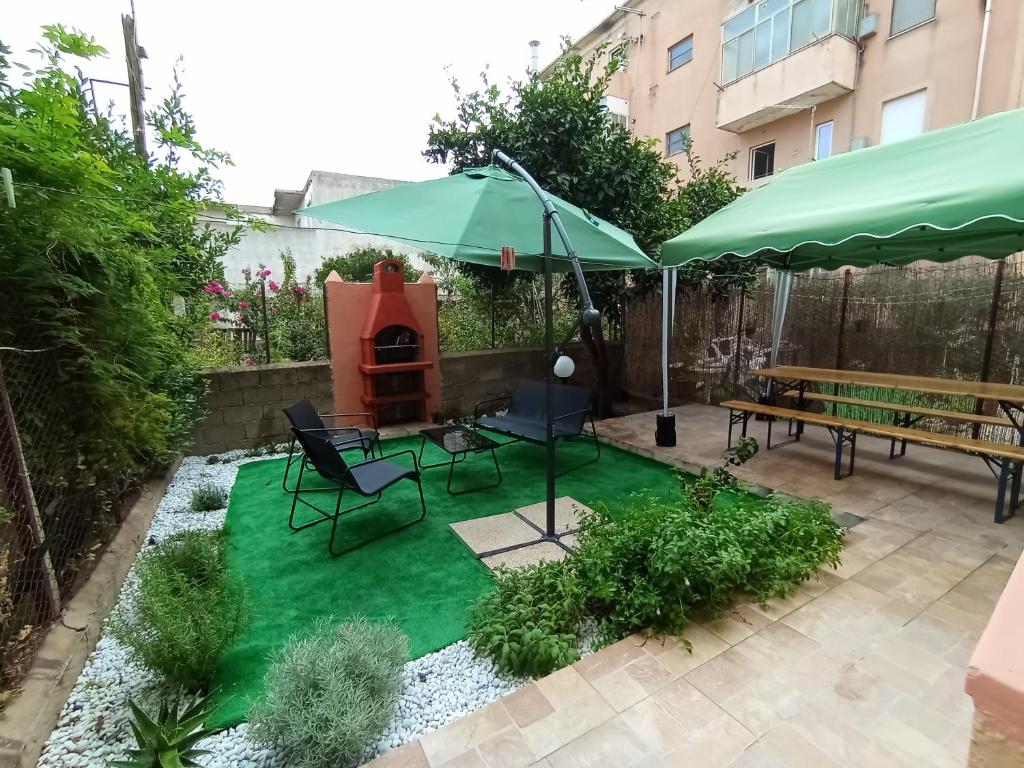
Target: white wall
{"points": [[308, 246], [309, 240]]}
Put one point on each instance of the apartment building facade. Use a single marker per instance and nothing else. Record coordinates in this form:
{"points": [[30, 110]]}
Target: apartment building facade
{"points": [[783, 82]]}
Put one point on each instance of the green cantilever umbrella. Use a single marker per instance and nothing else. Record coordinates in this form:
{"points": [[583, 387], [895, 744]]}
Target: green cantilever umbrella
{"points": [[471, 216]]}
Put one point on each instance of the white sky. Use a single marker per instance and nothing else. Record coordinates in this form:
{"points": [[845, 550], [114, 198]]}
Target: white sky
{"points": [[288, 87]]}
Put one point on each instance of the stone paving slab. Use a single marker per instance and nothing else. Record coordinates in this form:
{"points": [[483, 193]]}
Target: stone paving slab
{"points": [[863, 666], [485, 534], [567, 514]]}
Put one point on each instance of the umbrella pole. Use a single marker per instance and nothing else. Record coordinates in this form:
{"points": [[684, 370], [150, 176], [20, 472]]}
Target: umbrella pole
{"points": [[547, 533], [665, 429], [549, 351]]}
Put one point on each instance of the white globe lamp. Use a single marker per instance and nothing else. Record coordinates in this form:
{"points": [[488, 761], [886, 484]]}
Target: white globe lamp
{"points": [[564, 367]]}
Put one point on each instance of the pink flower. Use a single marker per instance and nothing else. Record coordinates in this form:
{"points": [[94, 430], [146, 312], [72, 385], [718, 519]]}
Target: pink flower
{"points": [[299, 290], [263, 272], [215, 315], [274, 308], [213, 286], [226, 294], [273, 286], [243, 305], [250, 361]]}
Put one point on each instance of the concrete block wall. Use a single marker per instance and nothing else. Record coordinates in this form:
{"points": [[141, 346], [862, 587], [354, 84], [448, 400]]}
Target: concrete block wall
{"points": [[468, 377], [244, 403]]}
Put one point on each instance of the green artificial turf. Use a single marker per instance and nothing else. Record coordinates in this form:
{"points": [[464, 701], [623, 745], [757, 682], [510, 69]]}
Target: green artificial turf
{"points": [[423, 576]]}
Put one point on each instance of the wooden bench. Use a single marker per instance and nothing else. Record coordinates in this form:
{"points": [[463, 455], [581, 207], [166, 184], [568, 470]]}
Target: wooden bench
{"points": [[904, 415], [1005, 461]]}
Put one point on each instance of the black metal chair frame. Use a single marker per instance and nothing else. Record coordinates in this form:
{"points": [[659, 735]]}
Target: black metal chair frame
{"points": [[357, 443], [508, 398], [347, 482]]}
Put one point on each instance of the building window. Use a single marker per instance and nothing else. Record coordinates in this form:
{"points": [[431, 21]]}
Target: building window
{"points": [[677, 141], [680, 53], [903, 118], [771, 29], [620, 52], [762, 161], [617, 110], [910, 13], [823, 141]]}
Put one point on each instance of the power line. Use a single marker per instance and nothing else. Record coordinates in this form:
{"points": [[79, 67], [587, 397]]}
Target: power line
{"points": [[113, 199]]}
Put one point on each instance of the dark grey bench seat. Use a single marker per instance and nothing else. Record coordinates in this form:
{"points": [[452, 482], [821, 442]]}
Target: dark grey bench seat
{"points": [[524, 416]]}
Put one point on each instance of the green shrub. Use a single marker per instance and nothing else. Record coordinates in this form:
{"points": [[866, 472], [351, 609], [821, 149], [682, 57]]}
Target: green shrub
{"points": [[93, 275], [208, 497], [332, 693], [661, 562], [655, 566], [356, 266], [527, 625], [170, 739], [187, 609]]}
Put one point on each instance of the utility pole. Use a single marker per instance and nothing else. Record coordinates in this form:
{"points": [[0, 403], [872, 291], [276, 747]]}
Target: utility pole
{"points": [[134, 54]]}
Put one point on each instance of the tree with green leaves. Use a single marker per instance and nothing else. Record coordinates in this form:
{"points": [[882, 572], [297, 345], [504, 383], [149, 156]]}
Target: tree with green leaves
{"points": [[558, 130], [356, 266], [94, 256]]}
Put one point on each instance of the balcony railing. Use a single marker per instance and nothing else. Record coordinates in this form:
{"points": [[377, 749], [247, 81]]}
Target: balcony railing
{"points": [[771, 30]]}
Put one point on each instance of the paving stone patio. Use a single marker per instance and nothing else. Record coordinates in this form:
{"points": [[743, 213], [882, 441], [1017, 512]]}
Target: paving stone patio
{"points": [[486, 534], [861, 667]]}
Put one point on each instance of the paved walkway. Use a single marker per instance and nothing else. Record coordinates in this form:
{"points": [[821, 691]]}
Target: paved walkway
{"points": [[862, 667]]}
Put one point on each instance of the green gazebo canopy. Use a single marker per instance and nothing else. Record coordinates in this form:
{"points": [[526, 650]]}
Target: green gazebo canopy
{"points": [[953, 192]]}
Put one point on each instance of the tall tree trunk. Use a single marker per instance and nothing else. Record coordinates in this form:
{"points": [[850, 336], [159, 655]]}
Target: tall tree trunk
{"points": [[593, 340]]}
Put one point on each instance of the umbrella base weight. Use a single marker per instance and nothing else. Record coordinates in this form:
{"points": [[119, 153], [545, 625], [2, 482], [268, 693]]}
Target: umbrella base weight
{"points": [[665, 432]]}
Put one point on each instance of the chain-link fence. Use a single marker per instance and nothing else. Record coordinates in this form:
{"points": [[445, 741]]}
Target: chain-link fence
{"points": [[963, 320], [52, 521]]}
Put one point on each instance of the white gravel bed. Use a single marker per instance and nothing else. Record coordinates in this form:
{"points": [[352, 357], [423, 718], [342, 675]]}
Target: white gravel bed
{"points": [[93, 726]]}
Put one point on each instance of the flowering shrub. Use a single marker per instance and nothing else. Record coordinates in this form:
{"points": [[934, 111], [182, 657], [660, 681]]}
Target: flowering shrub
{"points": [[290, 312]]}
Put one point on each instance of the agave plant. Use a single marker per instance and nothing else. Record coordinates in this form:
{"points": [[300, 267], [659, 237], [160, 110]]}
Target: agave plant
{"points": [[169, 741]]}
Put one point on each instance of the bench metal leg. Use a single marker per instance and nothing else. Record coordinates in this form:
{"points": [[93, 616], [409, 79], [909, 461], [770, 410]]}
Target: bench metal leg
{"points": [[801, 405], [742, 418], [1004, 473], [899, 420], [843, 438], [1018, 470], [839, 454]]}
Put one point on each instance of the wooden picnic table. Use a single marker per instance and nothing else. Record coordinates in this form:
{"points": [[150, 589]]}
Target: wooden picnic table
{"points": [[1010, 397], [1005, 461]]}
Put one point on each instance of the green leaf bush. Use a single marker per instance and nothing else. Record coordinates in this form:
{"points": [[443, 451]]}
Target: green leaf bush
{"points": [[652, 569], [527, 625], [208, 497], [331, 694], [187, 611], [356, 266], [98, 251]]}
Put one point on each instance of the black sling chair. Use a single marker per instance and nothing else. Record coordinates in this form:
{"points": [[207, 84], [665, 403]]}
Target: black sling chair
{"points": [[303, 416], [368, 478]]}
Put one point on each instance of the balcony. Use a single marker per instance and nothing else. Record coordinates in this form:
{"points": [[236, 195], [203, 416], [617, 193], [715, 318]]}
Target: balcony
{"points": [[812, 75]]}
